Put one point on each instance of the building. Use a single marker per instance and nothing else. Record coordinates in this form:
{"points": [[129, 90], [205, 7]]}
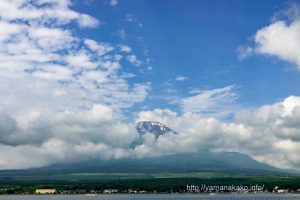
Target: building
{"points": [[110, 191], [283, 191], [45, 191], [132, 191]]}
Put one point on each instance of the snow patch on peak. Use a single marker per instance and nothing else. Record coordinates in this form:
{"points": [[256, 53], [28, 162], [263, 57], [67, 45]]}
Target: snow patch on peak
{"points": [[153, 127]]}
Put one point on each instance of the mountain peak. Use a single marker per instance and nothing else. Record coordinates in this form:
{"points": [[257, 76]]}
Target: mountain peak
{"points": [[153, 127]]}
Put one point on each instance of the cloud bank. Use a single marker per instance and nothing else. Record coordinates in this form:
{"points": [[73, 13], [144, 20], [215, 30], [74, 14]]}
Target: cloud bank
{"points": [[269, 134], [63, 96]]}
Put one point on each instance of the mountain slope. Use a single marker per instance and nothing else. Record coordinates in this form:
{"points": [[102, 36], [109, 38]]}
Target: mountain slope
{"points": [[197, 162]]}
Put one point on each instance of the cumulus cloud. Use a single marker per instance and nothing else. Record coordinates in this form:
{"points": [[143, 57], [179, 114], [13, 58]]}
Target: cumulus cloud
{"points": [[272, 38], [275, 127], [269, 134], [63, 136], [284, 31]]}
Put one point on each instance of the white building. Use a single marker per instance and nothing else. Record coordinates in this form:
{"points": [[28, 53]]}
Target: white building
{"points": [[45, 191], [110, 191], [282, 191]]}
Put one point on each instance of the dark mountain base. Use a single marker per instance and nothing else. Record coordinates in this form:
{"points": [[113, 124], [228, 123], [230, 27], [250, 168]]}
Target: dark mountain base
{"points": [[233, 163]]}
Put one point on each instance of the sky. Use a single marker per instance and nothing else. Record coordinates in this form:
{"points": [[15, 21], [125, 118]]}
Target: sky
{"points": [[76, 76]]}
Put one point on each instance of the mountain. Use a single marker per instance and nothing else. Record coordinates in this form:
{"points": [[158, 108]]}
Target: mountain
{"points": [[225, 162], [155, 128], [185, 162], [229, 162]]}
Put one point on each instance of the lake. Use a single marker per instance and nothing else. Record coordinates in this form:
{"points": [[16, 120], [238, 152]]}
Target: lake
{"points": [[153, 197]]}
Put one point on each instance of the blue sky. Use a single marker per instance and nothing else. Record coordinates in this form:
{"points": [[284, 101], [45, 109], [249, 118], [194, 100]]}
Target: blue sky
{"points": [[198, 40], [76, 77]]}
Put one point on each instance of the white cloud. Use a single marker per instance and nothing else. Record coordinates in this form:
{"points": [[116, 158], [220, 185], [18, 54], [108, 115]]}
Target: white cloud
{"points": [[130, 18], [244, 52], [61, 136], [289, 13], [87, 21], [113, 2], [61, 99], [168, 83], [52, 72], [50, 56], [52, 39], [268, 134], [276, 129], [181, 78], [271, 40], [125, 48], [55, 12], [8, 29], [280, 39], [101, 49], [60, 92], [210, 102], [134, 60]]}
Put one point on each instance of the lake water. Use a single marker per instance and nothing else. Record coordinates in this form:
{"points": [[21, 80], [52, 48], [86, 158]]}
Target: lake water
{"points": [[152, 197]]}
